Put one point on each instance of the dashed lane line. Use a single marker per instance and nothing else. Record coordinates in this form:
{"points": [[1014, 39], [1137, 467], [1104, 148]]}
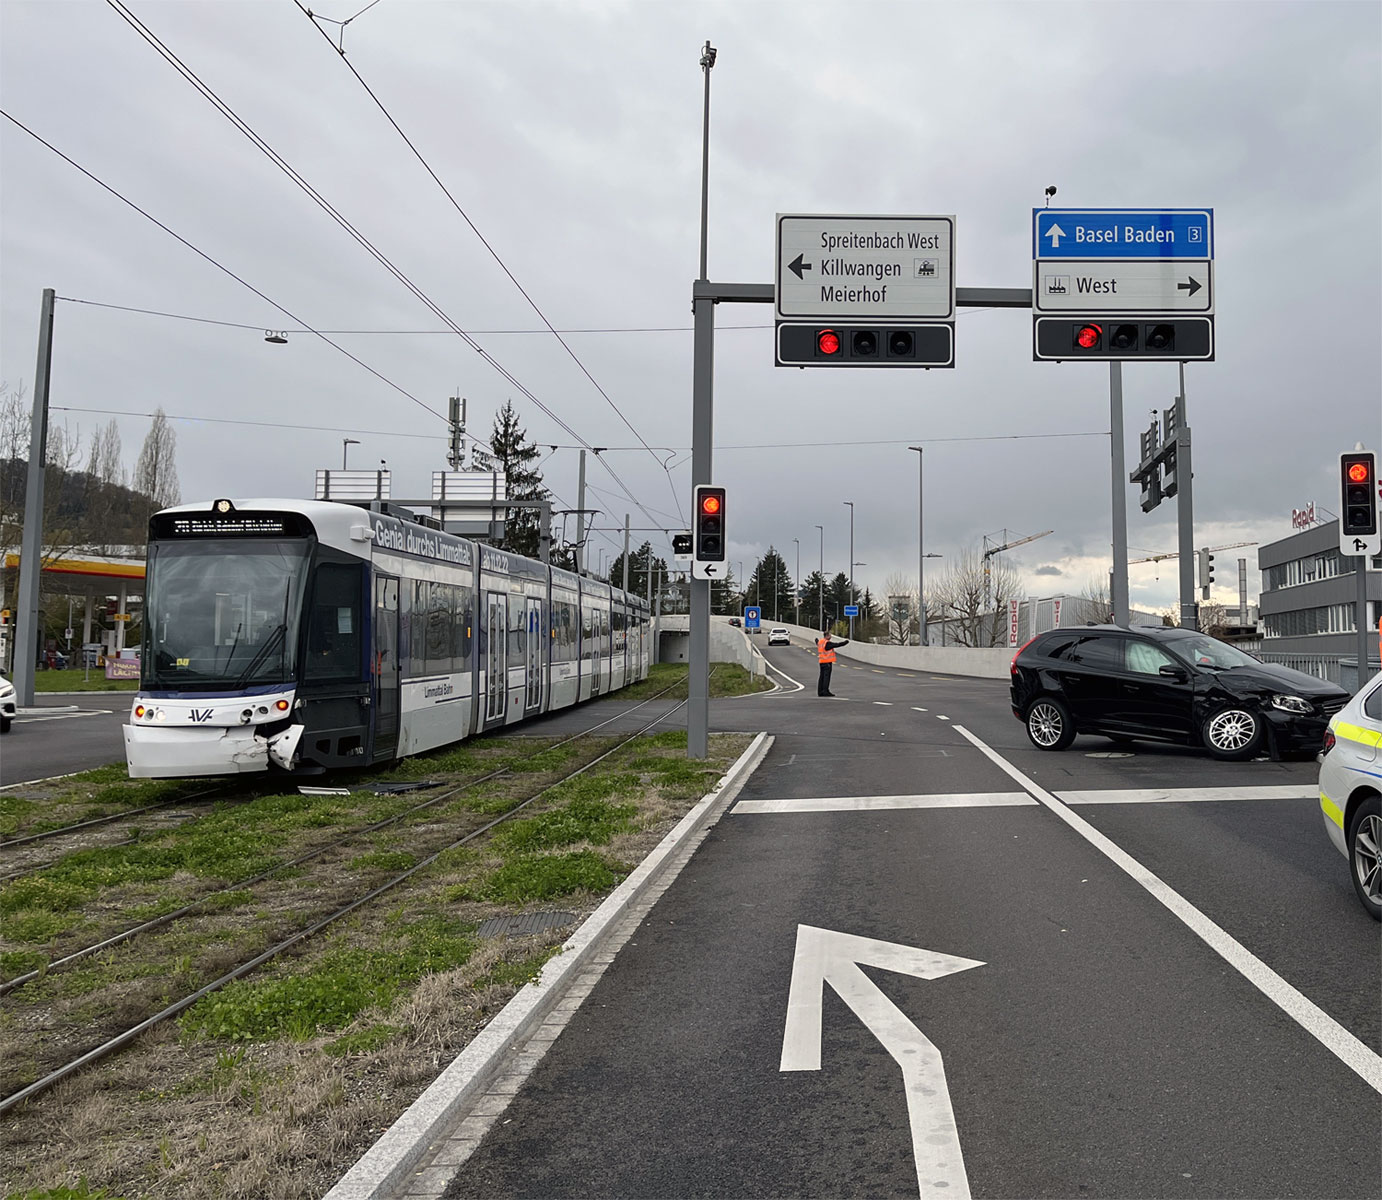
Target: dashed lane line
{"points": [[1360, 1058], [916, 709], [941, 717], [1188, 795], [819, 804], [884, 703]]}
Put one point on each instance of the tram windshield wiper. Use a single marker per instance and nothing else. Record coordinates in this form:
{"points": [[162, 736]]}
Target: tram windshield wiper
{"points": [[275, 636]]}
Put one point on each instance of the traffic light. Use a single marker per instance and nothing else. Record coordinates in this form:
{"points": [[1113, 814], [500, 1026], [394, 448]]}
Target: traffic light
{"points": [[1358, 487], [1107, 339], [710, 523], [804, 345], [1206, 573], [1151, 489]]}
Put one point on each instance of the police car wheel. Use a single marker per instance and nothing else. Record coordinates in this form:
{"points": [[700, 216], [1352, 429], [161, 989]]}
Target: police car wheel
{"points": [[1048, 724], [1365, 854], [1232, 734]]}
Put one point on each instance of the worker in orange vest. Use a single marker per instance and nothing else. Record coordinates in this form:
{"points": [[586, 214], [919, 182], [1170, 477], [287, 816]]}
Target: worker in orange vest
{"points": [[825, 655]]}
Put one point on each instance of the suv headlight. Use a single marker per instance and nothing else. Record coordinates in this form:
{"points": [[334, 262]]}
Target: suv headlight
{"points": [[1292, 704]]}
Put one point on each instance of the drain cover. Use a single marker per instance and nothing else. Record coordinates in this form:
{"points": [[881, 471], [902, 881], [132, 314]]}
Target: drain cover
{"points": [[534, 922], [1110, 754]]}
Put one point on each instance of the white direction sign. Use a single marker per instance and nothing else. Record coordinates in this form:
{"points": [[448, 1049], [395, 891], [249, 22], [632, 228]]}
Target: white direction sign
{"points": [[824, 956], [1141, 286], [1366, 546], [865, 268]]}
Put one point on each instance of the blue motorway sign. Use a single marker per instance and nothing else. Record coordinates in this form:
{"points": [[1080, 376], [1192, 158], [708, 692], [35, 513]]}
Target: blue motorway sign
{"points": [[851, 610], [1123, 233], [753, 617]]}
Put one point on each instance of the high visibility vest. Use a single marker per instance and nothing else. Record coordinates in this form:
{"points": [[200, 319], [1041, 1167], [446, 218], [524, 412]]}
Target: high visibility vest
{"points": [[822, 654]]}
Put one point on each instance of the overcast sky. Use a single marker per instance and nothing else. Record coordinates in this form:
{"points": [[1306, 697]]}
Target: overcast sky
{"points": [[570, 135]]}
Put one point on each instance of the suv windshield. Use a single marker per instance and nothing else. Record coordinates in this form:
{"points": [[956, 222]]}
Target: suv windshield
{"points": [[223, 615], [1205, 651]]}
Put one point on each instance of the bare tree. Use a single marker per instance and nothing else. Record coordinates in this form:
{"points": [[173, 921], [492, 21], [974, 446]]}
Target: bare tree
{"points": [[105, 464], [900, 597], [957, 597], [156, 472], [1094, 607]]}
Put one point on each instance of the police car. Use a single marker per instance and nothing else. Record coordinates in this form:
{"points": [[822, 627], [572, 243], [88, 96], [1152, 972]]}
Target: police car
{"points": [[1351, 791]]}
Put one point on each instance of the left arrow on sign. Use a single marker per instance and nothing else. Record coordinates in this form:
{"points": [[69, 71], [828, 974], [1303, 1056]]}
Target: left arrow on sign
{"points": [[798, 266], [824, 956]]}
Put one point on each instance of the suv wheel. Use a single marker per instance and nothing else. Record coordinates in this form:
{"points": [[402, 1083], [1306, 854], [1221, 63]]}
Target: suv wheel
{"points": [[1049, 725], [1232, 734], [1365, 854]]}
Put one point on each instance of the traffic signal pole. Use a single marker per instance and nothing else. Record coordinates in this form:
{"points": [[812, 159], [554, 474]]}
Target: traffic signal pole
{"points": [[28, 634], [1185, 517], [1119, 585]]}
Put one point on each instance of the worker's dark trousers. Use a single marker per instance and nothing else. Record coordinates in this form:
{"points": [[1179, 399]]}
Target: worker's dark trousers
{"points": [[823, 687]]}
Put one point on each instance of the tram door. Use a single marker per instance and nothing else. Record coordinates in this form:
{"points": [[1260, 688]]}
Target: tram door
{"points": [[595, 651], [496, 656], [534, 654], [384, 666]]}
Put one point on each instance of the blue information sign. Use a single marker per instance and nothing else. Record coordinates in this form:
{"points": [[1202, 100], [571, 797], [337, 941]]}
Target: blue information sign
{"points": [[851, 610], [753, 618], [1123, 233]]}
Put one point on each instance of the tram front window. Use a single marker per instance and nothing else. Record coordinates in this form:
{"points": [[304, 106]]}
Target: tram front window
{"points": [[225, 614]]}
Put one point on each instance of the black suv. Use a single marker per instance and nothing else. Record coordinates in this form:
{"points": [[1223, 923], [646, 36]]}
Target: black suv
{"points": [[1171, 685]]}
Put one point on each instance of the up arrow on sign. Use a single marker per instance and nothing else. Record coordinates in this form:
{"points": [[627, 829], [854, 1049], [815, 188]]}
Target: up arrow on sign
{"points": [[824, 956], [1055, 233]]}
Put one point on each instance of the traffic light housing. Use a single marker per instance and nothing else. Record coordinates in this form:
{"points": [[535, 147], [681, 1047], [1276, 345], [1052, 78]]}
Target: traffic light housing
{"points": [[710, 524], [1151, 489], [1358, 494], [1114, 339], [803, 344], [1206, 573]]}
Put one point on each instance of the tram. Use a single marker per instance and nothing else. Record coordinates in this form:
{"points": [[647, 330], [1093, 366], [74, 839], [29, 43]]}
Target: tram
{"points": [[305, 636]]}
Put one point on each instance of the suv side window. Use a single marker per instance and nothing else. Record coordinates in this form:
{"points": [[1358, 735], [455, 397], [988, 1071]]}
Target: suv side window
{"points": [[1099, 652], [1057, 645], [1145, 659], [1373, 704]]}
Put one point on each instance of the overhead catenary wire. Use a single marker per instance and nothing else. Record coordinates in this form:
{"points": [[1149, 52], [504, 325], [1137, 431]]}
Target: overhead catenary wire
{"points": [[493, 252], [277, 159], [218, 265]]}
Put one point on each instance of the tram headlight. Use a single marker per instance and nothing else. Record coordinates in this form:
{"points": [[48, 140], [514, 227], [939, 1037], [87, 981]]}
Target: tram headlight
{"points": [[139, 711]]}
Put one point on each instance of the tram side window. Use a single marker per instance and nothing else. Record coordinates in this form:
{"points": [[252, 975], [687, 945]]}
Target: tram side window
{"points": [[462, 627], [333, 635], [438, 628], [563, 631]]}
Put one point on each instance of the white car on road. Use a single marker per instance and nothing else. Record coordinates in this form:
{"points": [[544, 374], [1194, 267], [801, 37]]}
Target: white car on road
{"points": [[1351, 791], [7, 703], [778, 637]]}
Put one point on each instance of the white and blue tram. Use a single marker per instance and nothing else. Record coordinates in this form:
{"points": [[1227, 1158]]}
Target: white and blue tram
{"points": [[303, 636]]}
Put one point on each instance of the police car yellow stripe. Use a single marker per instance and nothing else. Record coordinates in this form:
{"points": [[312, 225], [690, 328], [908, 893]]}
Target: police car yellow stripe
{"points": [[1332, 810], [1356, 733]]}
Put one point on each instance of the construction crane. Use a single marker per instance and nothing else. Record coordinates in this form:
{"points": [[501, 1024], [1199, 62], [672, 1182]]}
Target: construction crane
{"points": [[1176, 553], [990, 551]]}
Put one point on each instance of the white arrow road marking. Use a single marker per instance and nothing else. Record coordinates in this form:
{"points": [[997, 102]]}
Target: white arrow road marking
{"points": [[24, 718], [824, 956]]}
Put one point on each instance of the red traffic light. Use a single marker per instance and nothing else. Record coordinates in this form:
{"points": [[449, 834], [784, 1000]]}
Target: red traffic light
{"points": [[1358, 472], [1089, 336], [828, 342], [710, 504]]}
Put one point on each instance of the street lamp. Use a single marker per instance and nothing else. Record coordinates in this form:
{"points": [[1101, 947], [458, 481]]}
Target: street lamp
{"points": [[346, 444], [921, 550], [796, 608], [850, 504], [820, 615]]}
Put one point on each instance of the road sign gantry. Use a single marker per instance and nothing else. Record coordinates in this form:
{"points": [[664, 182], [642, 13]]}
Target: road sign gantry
{"points": [[1123, 284]]}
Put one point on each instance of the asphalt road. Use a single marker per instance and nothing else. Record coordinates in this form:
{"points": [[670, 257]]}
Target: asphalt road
{"points": [[1096, 1045], [68, 733]]}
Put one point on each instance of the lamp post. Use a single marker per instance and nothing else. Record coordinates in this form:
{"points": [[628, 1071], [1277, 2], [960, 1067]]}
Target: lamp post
{"points": [[796, 608], [820, 615], [850, 505], [346, 444], [921, 550]]}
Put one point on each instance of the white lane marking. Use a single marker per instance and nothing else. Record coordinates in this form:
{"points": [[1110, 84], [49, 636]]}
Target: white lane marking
{"points": [[1354, 1054], [824, 956], [809, 804], [940, 717], [783, 673], [884, 703], [876, 671], [916, 709], [1187, 795], [91, 712]]}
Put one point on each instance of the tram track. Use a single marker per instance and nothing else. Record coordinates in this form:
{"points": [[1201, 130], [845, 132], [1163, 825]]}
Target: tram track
{"points": [[202, 902], [117, 1042]]}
